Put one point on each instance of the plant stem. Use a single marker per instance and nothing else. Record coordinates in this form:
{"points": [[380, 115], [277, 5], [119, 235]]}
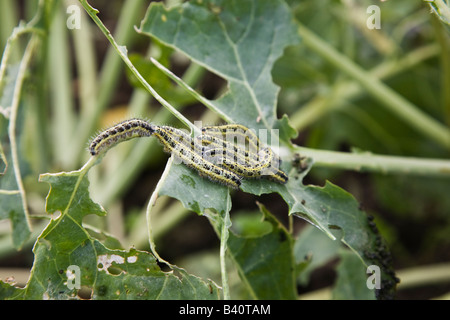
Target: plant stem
{"points": [[443, 10], [424, 275], [189, 89], [352, 161], [130, 166], [151, 203], [386, 96], [62, 106], [409, 278], [348, 89], [377, 163], [110, 72], [443, 40], [223, 249], [28, 54], [123, 54]]}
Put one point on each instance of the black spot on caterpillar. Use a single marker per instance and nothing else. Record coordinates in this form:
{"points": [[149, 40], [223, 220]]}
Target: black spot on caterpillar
{"points": [[122, 131], [180, 144], [212, 154]]}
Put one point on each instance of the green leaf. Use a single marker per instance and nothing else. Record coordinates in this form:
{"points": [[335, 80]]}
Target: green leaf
{"points": [[338, 214], [250, 225], [265, 263], [205, 198], [351, 281], [12, 206], [104, 273], [255, 254], [11, 197], [441, 8], [315, 248], [69, 194], [238, 40], [148, 71], [195, 192]]}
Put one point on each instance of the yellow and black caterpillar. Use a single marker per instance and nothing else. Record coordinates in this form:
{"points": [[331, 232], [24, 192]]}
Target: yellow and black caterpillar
{"points": [[213, 154]]}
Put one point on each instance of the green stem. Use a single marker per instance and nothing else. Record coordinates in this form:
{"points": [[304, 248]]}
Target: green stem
{"points": [[87, 67], [29, 52], [189, 89], [8, 19], [442, 38], [129, 168], [366, 161], [386, 96], [349, 89], [150, 205], [377, 163], [111, 68], [223, 250], [123, 54], [62, 99], [138, 157], [409, 278], [8, 50], [424, 275], [443, 10]]}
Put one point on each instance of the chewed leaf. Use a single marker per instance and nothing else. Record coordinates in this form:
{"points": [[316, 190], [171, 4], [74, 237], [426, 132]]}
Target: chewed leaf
{"points": [[338, 214], [69, 194], [12, 208], [266, 261], [70, 264], [90, 270], [195, 192], [13, 203], [238, 41], [351, 283]]}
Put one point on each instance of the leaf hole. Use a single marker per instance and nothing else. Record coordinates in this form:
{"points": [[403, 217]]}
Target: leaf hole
{"points": [[114, 271], [85, 293]]}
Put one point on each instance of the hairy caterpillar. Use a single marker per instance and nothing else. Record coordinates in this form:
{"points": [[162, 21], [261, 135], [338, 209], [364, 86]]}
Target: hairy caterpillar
{"points": [[213, 154], [174, 141], [122, 131], [249, 164], [243, 163], [181, 145], [243, 135]]}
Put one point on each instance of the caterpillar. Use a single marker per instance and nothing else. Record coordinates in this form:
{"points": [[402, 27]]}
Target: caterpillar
{"points": [[175, 141], [264, 170], [122, 131], [237, 160], [230, 131], [181, 145], [212, 154], [250, 164], [243, 134]]}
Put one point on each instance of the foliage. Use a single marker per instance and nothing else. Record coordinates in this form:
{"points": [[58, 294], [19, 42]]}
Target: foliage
{"points": [[257, 47]]}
